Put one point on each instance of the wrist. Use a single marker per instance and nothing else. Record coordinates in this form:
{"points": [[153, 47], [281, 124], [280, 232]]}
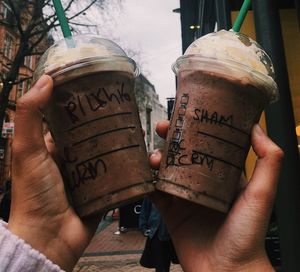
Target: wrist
{"points": [[262, 265], [46, 239], [258, 264]]}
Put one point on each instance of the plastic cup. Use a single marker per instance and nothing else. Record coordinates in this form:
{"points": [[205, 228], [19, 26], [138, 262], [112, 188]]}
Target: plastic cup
{"points": [[94, 121], [220, 96]]}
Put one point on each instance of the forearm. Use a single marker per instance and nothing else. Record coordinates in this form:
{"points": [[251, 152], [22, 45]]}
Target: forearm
{"points": [[203, 265], [262, 265], [199, 255], [259, 264]]}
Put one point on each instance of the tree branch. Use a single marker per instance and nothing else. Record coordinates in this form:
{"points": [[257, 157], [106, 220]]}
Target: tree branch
{"points": [[38, 8], [37, 17], [49, 26], [32, 26], [47, 19], [83, 10], [40, 39], [17, 17], [47, 2], [2, 22], [69, 5], [31, 2], [21, 80], [80, 24], [36, 53]]}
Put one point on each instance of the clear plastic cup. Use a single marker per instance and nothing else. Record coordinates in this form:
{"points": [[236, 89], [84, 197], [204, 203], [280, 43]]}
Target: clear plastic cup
{"points": [[94, 120], [220, 96]]}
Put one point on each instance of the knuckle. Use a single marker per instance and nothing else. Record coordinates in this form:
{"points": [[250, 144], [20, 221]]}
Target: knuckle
{"points": [[17, 148], [22, 104], [26, 102], [277, 153]]}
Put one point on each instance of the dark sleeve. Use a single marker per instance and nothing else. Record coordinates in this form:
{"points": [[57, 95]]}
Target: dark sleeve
{"points": [[5, 207], [144, 215]]}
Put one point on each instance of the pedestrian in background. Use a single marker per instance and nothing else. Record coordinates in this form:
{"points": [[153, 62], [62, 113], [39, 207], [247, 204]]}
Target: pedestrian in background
{"points": [[159, 251]]}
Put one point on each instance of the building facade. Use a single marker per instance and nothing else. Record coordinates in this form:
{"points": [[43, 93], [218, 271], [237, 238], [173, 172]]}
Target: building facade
{"points": [[151, 111], [9, 43]]}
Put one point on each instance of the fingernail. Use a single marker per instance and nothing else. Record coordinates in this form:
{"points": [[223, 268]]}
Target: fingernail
{"points": [[258, 130], [152, 155], [43, 82], [155, 154]]}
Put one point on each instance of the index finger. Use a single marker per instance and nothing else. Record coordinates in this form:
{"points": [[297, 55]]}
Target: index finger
{"points": [[256, 201], [29, 115], [162, 128]]}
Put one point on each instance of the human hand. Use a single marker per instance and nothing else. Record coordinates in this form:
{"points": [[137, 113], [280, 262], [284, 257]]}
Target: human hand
{"points": [[207, 240], [40, 212]]}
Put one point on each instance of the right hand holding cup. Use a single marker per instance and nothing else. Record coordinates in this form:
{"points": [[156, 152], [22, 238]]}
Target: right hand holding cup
{"points": [[207, 240]]}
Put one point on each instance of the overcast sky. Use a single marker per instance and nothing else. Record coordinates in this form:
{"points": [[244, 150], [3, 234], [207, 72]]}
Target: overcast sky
{"points": [[152, 28]]}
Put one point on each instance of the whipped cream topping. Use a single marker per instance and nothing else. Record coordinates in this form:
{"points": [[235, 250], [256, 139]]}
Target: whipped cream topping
{"points": [[58, 57], [83, 50], [233, 46]]}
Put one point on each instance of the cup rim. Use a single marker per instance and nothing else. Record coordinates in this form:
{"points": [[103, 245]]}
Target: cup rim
{"points": [[224, 67], [94, 60]]}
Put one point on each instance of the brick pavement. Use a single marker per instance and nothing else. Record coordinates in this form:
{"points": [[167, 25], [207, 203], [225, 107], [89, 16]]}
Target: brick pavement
{"points": [[110, 252]]}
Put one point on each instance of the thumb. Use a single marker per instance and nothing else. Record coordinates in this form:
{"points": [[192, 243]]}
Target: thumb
{"points": [[254, 205], [263, 183], [28, 136]]}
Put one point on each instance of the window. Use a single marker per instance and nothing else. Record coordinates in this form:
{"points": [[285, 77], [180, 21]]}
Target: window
{"points": [[4, 74], [28, 62], [148, 126], [21, 88], [6, 12], [8, 46], [28, 83]]}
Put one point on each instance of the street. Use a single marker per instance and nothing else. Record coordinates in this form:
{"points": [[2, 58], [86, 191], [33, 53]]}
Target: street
{"points": [[111, 250]]}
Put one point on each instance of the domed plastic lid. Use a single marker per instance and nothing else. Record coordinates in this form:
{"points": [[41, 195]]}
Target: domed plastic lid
{"points": [[81, 50], [231, 53]]}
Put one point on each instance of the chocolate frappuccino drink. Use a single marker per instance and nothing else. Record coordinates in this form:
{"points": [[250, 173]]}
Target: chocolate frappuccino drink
{"points": [[225, 80], [94, 120]]}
